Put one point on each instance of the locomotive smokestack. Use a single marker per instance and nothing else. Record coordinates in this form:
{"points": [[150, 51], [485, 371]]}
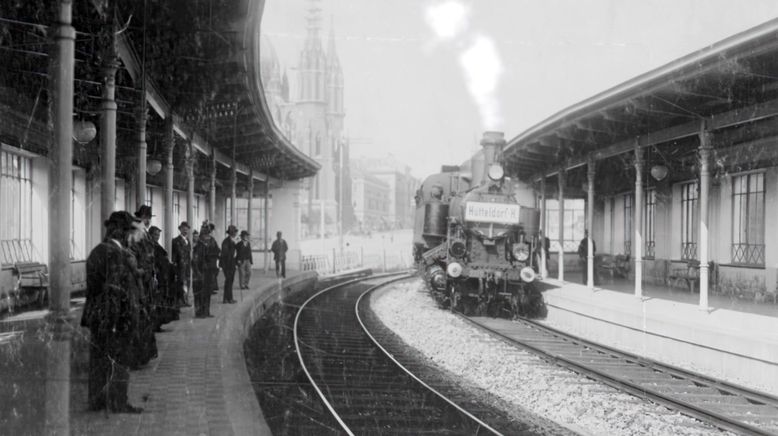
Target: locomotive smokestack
{"points": [[492, 142]]}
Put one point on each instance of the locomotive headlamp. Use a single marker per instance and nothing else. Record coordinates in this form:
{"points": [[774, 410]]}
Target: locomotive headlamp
{"points": [[527, 274], [454, 269], [495, 172], [520, 251], [457, 249]]}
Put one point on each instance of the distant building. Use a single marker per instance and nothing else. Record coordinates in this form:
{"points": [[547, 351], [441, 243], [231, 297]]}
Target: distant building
{"points": [[370, 196], [309, 110], [402, 187]]}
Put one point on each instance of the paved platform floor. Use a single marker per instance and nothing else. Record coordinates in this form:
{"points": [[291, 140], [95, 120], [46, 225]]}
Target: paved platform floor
{"points": [[680, 294], [181, 391]]}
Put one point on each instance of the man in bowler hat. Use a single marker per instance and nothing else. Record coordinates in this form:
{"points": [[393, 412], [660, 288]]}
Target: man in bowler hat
{"points": [[279, 249], [227, 262], [244, 260], [111, 313], [182, 263]]}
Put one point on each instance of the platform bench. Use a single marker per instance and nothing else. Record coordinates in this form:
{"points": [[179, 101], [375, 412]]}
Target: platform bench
{"points": [[689, 274], [616, 266], [33, 278]]}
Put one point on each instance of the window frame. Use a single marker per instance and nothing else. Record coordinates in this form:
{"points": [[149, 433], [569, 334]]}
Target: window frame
{"points": [[748, 253], [689, 220]]}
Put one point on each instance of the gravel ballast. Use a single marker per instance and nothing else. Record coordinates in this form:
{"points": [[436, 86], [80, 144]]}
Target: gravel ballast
{"points": [[518, 377]]}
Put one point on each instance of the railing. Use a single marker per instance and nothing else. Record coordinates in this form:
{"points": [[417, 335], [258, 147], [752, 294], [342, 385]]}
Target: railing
{"points": [[748, 254], [688, 251], [332, 263]]}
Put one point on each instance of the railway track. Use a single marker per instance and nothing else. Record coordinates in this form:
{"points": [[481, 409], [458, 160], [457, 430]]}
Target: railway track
{"points": [[722, 404], [366, 391]]}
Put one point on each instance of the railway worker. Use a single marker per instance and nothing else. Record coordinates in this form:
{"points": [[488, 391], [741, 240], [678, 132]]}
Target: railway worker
{"points": [[167, 310], [244, 259], [227, 262], [279, 249], [205, 254], [182, 264], [142, 248], [111, 313], [583, 254]]}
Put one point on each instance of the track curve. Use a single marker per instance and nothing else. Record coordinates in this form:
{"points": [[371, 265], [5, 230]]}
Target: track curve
{"points": [[366, 391]]}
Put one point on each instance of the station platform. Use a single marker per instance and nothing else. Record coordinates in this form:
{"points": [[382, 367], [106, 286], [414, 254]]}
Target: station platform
{"points": [[198, 384], [734, 340]]}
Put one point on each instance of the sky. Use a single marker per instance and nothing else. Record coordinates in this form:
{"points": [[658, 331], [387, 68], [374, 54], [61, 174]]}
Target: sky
{"points": [[423, 79]]}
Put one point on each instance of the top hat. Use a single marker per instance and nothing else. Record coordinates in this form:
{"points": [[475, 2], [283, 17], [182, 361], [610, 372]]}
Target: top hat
{"points": [[121, 219], [144, 211], [184, 224], [232, 229]]}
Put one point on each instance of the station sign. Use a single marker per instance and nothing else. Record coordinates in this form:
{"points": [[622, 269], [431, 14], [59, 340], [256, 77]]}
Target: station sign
{"points": [[498, 213]]}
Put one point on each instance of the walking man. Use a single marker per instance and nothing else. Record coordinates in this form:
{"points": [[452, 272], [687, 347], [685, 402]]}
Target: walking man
{"points": [[227, 262], [111, 314], [182, 264], [244, 259], [279, 249]]}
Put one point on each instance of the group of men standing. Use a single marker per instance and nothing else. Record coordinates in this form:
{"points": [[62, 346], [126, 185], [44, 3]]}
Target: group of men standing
{"points": [[133, 288]]}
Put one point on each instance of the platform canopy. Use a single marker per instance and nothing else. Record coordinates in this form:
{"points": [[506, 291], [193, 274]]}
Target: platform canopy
{"points": [[729, 89], [200, 60]]}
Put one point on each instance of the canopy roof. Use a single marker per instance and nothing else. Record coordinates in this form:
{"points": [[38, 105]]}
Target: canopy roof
{"points": [[721, 88]]}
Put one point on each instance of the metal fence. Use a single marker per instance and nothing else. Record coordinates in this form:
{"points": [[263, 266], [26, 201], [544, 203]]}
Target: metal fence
{"points": [[336, 261]]}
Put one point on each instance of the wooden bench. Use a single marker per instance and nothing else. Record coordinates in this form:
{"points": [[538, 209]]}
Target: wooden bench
{"points": [[689, 275], [616, 266], [32, 281]]}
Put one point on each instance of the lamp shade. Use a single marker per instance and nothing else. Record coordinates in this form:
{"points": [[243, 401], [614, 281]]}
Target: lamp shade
{"points": [[84, 131], [659, 172], [153, 166]]}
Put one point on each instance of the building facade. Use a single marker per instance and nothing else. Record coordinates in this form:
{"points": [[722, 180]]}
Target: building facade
{"points": [[308, 109], [371, 202], [402, 188]]}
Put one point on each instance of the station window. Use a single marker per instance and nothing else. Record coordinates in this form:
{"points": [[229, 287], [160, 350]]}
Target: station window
{"points": [[689, 220], [16, 213], [149, 200], [574, 223], [649, 233], [748, 219]]}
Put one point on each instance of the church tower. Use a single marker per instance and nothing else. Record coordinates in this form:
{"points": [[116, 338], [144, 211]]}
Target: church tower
{"points": [[312, 122]]}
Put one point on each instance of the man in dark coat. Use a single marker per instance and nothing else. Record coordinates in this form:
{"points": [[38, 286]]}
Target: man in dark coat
{"points": [[583, 252], [279, 249], [244, 259], [205, 255], [111, 313], [227, 262], [182, 264], [167, 310], [142, 247]]}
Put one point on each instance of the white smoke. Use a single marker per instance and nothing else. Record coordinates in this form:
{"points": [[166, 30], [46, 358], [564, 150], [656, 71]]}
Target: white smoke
{"points": [[478, 57], [483, 68]]}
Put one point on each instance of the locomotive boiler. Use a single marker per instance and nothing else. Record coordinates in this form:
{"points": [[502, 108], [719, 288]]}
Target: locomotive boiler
{"points": [[474, 243]]}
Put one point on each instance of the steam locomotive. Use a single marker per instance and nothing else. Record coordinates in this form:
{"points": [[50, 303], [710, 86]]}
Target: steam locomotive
{"points": [[474, 243]]}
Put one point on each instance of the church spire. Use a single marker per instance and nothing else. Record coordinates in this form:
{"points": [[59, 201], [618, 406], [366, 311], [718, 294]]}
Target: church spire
{"points": [[312, 59], [334, 76]]}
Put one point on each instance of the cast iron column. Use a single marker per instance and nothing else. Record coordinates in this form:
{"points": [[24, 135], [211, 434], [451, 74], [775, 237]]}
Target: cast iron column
{"points": [[705, 154], [543, 260], [233, 191], [590, 172], [190, 185], [267, 210], [212, 191], [561, 183], [637, 245], [57, 403], [108, 129], [250, 200], [141, 181], [170, 145]]}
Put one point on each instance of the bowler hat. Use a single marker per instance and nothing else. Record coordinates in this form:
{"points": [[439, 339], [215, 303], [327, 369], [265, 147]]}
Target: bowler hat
{"points": [[244, 233], [144, 211], [121, 219], [184, 224], [232, 229]]}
